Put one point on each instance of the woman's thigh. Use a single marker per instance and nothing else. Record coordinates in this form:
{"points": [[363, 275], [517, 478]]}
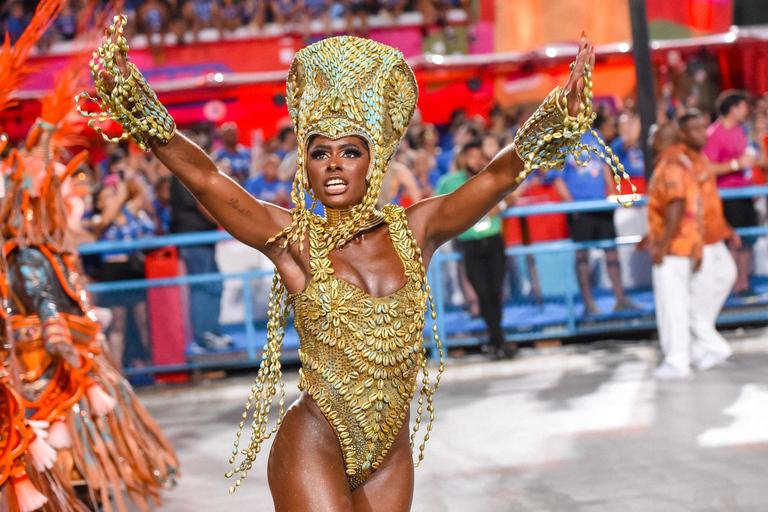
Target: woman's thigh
{"points": [[389, 488], [306, 469]]}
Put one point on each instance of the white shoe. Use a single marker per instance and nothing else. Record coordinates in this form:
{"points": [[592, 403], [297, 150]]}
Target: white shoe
{"points": [[211, 341], [195, 349], [710, 360], [669, 372]]}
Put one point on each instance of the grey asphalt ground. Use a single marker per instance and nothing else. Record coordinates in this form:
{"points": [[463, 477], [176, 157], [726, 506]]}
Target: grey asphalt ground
{"points": [[569, 429]]}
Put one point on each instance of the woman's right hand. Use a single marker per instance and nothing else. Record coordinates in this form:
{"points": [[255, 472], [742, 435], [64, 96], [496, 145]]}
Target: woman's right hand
{"points": [[120, 57]]}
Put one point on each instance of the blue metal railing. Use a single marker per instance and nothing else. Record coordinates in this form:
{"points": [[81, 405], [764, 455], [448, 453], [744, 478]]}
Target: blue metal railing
{"points": [[572, 327], [611, 204]]}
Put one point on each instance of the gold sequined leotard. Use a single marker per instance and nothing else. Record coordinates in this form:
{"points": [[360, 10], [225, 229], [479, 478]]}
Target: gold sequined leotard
{"points": [[360, 354]]}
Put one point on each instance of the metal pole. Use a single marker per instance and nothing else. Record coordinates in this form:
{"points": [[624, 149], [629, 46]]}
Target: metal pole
{"points": [[646, 98]]}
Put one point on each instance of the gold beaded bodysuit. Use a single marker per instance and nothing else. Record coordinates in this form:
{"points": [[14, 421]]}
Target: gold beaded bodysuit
{"points": [[360, 354]]}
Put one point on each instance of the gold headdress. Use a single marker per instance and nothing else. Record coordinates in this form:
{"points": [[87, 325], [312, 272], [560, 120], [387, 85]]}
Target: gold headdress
{"points": [[348, 86]]}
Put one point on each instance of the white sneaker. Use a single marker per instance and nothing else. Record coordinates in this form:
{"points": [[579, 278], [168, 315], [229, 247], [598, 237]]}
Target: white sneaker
{"points": [[669, 372], [710, 360], [195, 349], [211, 341]]}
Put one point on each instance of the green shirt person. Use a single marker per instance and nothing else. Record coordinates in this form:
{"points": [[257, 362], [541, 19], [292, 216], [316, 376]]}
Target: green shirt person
{"points": [[482, 246], [488, 226]]}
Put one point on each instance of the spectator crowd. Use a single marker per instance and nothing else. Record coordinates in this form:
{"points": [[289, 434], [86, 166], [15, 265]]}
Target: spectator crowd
{"points": [[184, 19], [134, 195]]}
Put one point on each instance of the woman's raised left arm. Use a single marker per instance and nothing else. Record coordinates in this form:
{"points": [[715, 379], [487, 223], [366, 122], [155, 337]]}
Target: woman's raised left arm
{"points": [[436, 220]]}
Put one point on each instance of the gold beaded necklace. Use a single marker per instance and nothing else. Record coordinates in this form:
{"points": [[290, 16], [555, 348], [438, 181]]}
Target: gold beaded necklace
{"points": [[335, 218]]}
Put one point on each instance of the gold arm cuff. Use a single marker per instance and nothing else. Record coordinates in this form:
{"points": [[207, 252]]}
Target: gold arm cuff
{"points": [[131, 102], [550, 135]]}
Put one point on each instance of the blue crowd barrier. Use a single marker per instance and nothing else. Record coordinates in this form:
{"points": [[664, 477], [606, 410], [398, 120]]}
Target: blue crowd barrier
{"points": [[611, 203], [572, 326]]}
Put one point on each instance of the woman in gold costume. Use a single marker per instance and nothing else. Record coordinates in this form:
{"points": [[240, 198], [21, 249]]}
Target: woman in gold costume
{"points": [[356, 279]]}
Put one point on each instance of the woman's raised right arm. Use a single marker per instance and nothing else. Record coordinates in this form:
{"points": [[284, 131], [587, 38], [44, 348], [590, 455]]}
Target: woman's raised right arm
{"points": [[249, 220]]}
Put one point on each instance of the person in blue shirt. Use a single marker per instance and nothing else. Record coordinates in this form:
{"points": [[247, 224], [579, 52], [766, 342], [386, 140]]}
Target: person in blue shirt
{"points": [[267, 186], [284, 11], [238, 156], [577, 183], [120, 213], [626, 146], [16, 22], [66, 23], [286, 142], [153, 21], [425, 173], [309, 10]]}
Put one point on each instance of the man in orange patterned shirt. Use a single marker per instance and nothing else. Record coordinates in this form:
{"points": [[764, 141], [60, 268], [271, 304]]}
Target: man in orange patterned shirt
{"points": [[715, 279], [675, 219]]}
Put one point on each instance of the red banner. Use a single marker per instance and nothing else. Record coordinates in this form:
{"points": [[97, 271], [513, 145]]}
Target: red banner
{"points": [[688, 18]]}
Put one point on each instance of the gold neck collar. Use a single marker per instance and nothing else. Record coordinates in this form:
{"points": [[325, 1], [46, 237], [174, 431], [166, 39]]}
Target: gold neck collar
{"points": [[334, 218]]}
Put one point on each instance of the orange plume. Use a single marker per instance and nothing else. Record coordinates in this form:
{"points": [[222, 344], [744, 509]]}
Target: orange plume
{"points": [[59, 102], [58, 114], [59, 105], [13, 58]]}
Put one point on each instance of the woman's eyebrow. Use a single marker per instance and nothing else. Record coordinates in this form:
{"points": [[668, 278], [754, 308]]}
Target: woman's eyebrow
{"points": [[320, 146], [351, 145]]}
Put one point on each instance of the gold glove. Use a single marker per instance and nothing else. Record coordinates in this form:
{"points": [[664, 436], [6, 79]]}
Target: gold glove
{"points": [[550, 135], [131, 102]]}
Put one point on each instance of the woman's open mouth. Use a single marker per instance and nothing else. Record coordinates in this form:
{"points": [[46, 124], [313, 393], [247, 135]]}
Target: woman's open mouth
{"points": [[335, 186]]}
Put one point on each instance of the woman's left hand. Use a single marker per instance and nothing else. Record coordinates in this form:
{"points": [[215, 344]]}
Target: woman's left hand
{"points": [[574, 87]]}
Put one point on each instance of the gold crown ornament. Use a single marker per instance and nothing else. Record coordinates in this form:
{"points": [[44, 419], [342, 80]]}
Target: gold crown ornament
{"points": [[345, 86]]}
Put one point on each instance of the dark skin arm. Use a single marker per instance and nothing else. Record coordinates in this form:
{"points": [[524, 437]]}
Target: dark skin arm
{"points": [[433, 221], [436, 220], [249, 220], [675, 213]]}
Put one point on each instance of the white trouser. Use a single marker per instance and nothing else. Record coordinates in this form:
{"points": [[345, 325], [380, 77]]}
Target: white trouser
{"points": [[672, 296], [710, 287]]}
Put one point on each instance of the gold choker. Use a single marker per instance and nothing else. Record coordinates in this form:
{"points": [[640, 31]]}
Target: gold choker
{"points": [[335, 218]]}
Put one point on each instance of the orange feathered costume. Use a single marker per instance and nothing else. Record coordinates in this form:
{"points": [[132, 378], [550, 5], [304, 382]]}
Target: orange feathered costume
{"points": [[104, 439]]}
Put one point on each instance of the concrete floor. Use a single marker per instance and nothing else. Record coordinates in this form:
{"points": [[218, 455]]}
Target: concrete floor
{"points": [[573, 429]]}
